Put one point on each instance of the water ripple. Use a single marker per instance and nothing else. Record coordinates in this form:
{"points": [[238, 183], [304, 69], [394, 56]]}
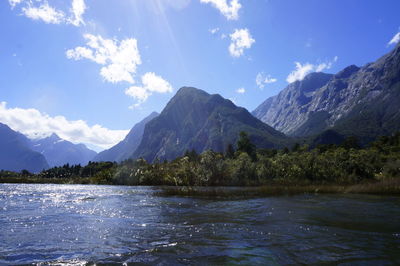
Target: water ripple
{"points": [[83, 224]]}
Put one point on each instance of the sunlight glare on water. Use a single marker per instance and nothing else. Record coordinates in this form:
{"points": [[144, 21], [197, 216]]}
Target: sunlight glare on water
{"points": [[82, 224]]}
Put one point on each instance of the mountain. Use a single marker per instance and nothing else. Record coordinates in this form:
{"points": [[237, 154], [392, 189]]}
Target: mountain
{"points": [[194, 119], [124, 149], [356, 101], [16, 154], [287, 111], [59, 152]]}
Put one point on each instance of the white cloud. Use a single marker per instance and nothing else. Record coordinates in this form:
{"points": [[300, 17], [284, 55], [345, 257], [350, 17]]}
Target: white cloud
{"points": [[150, 83], [240, 39], [41, 10], [13, 3], [44, 12], [119, 62], [35, 124], [155, 83], [303, 69], [213, 31], [78, 9], [229, 9], [395, 39], [262, 79], [300, 72], [137, 92], [241, 90], [119, 59]]}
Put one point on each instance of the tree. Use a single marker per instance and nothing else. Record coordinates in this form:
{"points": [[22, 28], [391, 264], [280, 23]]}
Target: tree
{"points": [[244, 145], [285, 150], [351, 143], [230, 151], [25, 172], [296, 147], [192, 155]]}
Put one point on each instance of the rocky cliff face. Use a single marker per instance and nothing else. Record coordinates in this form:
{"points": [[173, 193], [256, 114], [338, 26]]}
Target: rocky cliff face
{"points": [[288, 110], [194, 119], [323, 101]]}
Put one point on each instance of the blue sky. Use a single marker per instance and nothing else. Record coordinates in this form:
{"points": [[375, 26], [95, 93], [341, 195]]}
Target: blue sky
{"points": [[90, 69]]}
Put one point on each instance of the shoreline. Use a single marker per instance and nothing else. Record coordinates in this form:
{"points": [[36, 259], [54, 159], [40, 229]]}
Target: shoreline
{"points": [[383, 187], [387, 187]]}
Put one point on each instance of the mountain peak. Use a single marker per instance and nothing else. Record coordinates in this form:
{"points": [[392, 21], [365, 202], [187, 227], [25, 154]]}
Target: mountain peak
{"points": [[314, 81], [189, 91], [59, 151], [4, 126], [153, 114], [54, 137], [124, 149], [314, 75], [194, 119], [347, 72], [186, 89]]}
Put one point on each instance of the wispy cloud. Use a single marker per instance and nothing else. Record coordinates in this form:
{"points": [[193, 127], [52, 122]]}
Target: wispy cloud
{"points": [[45, 13], [119, 60], [214, 30], [262, 79], [302, 70], [241, 90], [36, 124], [240, 39], [150, 83], [229, 9]]}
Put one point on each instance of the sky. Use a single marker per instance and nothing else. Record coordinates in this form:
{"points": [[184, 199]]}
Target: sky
{"points": [[89, 70]]}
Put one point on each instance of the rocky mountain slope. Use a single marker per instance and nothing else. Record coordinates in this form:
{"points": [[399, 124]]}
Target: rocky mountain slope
{"points": [[356, 101], [194, 119], [124, 149], [287, 111]]}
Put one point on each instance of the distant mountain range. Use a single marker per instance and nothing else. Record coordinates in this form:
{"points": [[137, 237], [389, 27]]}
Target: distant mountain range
{"points": [[59, 152], [362, 102], [16, 153], [125, 149], [194, 119]]}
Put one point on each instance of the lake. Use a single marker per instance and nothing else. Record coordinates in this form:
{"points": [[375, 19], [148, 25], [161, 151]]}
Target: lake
{"points": [[85, 224]]}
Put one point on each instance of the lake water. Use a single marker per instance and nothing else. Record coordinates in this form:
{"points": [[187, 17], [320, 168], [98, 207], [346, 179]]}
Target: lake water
{"points": [[113, 224]]}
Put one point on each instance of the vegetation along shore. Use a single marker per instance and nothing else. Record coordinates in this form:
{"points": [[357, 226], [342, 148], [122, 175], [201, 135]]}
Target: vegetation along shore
{"points": [[343, 168]]}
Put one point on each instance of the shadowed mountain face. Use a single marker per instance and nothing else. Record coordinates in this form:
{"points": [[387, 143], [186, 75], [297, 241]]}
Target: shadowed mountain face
{"points": [[16, 154], [59, 152], [356, 101], [194, 119], [124, 149]]}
